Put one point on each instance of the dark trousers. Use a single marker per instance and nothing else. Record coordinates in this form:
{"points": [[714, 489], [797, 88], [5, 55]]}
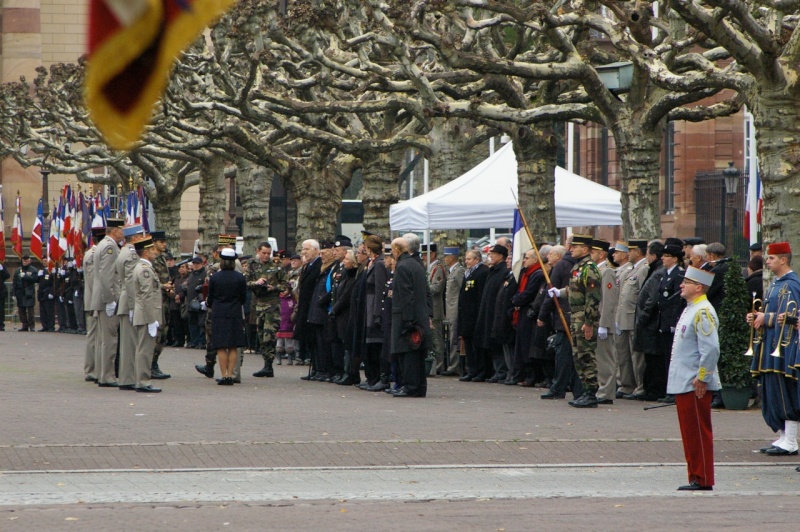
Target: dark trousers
{"points": [[412, 369], [47, 314], [2, 311], [322, 362], [178, 328], [565, 374], [655, 376], [307, 345], [26, 318], [197, 328], [473, 355], [352, 367], [337, 357], [497, 352], [372, 363]]}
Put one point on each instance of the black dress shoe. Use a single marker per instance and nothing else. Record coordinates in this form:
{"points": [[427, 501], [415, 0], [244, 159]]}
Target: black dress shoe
{"points": [[126, 386], [667, 400], [378, 387], [449, 374], [159, 375], [148, 389], [89, 378], [526, 384], [634, 397], [478, 379], [205, 370], [777, 451], [587, 400], [694, 486], [404, 393], [717, 402], [492, 380], [605, 401], [620, 394], [108, 385], [765, 449], [306, 377], [467, 378], [552, 395]]}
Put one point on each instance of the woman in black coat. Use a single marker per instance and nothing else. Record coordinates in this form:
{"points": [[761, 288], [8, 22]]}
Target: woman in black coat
{"points": [[340, 312], [523, 319], [227, 291], [376, 370]]}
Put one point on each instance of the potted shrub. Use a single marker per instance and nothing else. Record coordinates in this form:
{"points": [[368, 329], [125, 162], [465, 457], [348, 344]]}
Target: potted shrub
{"points": [[734, 339]]}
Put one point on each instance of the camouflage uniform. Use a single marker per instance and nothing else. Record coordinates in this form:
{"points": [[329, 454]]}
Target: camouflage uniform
{"points": [[585, 293], [162, 271], [267, 305]]}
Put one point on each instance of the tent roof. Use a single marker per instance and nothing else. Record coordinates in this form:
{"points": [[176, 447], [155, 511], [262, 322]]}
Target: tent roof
{"points": [[483, 197]]}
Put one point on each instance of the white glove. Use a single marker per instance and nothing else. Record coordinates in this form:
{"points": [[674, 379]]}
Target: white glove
{"points": [[110, 308], [60, 299], [152, 328], [49, 296], [554, 292], [617, 330], [203, 305], [130, 315], [76, 294], [602, 333], [41, 273], [1, 267], [61, 271], [672, 330]]}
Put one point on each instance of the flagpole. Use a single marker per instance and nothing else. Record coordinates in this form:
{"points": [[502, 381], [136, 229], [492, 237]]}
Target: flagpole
{"points": [[544, 271]]}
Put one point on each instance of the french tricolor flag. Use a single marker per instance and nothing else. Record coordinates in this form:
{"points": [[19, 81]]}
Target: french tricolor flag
{"points": [[754, 204]]}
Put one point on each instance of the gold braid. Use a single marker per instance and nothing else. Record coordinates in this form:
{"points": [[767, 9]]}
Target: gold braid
{"points": [[698, 318]]}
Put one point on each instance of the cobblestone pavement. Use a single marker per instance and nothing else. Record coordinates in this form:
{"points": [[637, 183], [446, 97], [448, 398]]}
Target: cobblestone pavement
{"points": [[298, 449]]}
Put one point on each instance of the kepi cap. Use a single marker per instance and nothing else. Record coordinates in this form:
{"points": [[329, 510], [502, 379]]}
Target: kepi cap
{"points": [[622, 246], [638, 243], [115, 222], [158, 235], [197, 259], [699, 276], [132, 230], [601, 244], [582, 240], [452, 251], [143, 243]]}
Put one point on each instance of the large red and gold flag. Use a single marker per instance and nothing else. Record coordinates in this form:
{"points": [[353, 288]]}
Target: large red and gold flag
{"points": [[133, 45]]}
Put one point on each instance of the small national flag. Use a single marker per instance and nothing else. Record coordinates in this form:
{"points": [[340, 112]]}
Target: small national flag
{"points": [[16, 229], [521, 244], [132, 47], [36, 233], [754, 202], [2, 229]]}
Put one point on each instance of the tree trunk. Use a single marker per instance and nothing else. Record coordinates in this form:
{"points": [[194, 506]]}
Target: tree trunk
{"points": [[639, 152], [168, 219], [255, 184], [776, 113], [380, 191], [318, 195], [212, 203], [536, 166], [452, 140]]}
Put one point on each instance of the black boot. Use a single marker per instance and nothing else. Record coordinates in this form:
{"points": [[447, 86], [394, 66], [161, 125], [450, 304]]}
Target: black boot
{"points": [[208, 371], [155, 371], [266, 371]]}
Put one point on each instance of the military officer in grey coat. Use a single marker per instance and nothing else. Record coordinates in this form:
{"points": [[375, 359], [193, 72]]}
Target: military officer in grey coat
{"points": [[455, 278], [437, 280], [606, 353], [124, 265], [105, 296], [631, 279], [147, 311], [90, 354]]}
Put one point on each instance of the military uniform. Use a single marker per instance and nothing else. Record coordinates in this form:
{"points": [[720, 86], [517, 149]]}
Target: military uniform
{"points": [[631, 278], [90, 317], [455, 278], [584, 301], [695, 352], [437, 281], [124, 266], [105, 294], [606, 354], [162, 271], [46, 299], [267, 303], [147, 310]]}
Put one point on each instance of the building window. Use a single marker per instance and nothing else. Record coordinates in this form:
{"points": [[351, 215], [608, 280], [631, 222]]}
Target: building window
{"points": [[669, 169]]}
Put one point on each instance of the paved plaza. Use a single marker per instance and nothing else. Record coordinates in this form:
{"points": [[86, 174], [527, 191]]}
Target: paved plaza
{"points": [[286, 454]]}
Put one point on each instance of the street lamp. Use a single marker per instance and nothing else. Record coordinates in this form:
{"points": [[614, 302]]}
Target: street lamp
{"points": [[45, 192], [731, 177]]}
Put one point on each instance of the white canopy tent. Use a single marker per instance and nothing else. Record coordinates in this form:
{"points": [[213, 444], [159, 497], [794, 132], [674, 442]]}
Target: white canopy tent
{"points": [[483, 198]]}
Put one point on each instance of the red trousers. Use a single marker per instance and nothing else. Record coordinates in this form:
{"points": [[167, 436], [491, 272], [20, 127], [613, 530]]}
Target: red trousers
{"points": [[694, 417]]}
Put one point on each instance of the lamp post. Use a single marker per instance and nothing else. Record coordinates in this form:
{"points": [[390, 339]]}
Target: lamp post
{"points": [[45, 193], [731, 177]]}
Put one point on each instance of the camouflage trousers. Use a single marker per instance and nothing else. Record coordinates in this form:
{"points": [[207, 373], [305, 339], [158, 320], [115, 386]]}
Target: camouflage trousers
{"points": [[583, 355], [268, 322], [163, 332]]}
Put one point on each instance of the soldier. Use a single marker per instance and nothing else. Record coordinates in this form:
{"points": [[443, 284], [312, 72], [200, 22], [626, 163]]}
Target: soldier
{"points": [[105, 295], [777, 377], [584, 301], [146, 312], [46, 297], [437, 281], [90, 367], [455, 278], [693, 373], [266, 280], [624, 322], [74, 297], [606, 353], [162, 270], [57, 277], [24, 290], [127, 259]]}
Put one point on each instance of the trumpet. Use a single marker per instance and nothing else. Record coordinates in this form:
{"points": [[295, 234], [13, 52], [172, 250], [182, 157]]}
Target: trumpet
{"points": [[755, 335], [790, 317]]}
